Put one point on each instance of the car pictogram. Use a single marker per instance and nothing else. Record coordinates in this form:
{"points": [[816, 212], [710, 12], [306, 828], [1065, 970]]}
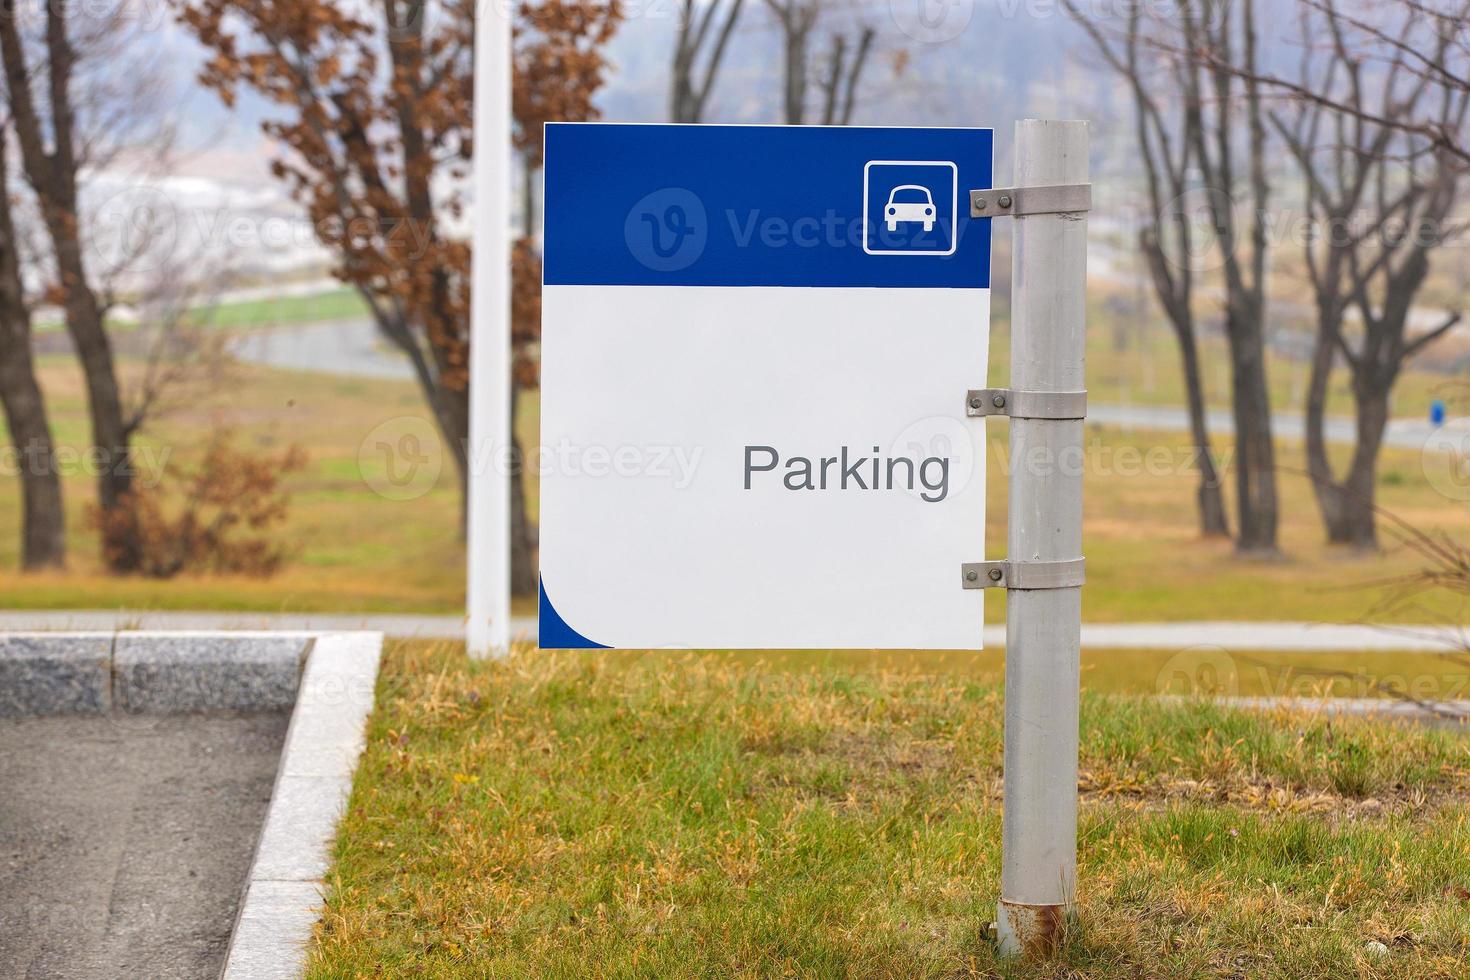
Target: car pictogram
{"points": [[909, 202]]}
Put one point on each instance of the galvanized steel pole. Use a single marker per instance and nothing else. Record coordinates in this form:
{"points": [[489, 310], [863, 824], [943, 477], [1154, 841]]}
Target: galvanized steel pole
{"points": [[487, 614], [1043, 626]]}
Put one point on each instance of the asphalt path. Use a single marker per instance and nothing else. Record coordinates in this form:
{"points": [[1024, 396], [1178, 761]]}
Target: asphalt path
{"points": [[125, 840]]}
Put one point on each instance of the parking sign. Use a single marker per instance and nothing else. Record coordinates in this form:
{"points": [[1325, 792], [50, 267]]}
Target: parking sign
{"points": [[756, 345]]}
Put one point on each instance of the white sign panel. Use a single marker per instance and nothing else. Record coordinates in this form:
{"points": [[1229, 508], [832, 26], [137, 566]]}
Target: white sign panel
{"points": [[755, 350]]}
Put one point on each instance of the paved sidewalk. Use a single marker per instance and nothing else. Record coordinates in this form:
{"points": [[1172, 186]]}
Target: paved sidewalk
{"points": [[1095, 636], [427, 627], [124, 840], [1401, 433], [1304, 637]]}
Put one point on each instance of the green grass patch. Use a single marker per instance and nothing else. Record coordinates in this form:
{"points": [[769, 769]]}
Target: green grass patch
{"points": [[667, 815], [337, 304]]}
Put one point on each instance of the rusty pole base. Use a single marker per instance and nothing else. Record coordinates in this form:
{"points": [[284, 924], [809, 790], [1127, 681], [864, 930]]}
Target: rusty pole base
{"points": [[1031, 931]]}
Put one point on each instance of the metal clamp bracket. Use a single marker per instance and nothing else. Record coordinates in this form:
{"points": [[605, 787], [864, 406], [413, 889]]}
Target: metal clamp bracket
{"points": [[982, 402], [1025, 575], [1017, 202]]}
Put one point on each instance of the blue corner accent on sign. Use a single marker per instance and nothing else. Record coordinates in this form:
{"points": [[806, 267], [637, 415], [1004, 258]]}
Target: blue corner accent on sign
{"points": [[696, 205], [555, 634]]}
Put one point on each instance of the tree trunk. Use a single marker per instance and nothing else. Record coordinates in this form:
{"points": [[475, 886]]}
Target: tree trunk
{"points": [[1215, 139], [1347, 506], [528, 198], [1348, 511], [1255, 454], [53, 176], [689, 89], [110, 435], [452, 412], [1348, 515], [43, 519], [1319, 466], [1255, 450], [681, 83], [795, 80], [1213, 520], [43, 522], [524, 576], [1351, 515]]}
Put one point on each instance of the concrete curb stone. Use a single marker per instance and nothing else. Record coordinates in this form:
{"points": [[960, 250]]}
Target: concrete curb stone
{"points": [[157, 673], [326, 737], [43, 674]]}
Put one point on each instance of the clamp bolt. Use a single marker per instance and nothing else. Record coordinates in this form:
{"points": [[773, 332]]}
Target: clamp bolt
{"points": [[971, 576], [999, 401], [1005, 201], [996, 575], [975, 402]]}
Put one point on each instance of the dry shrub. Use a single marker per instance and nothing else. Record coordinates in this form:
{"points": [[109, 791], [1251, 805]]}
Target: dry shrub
{"points": [[231, 502]]}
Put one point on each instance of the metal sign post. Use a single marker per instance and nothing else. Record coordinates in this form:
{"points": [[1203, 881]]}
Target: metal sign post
{"points": [[1044, 572], [487, 620], [776, 266]]}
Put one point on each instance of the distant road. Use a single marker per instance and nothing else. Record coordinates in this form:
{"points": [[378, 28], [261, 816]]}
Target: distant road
{"points": [[1403, 433], [347, 347]]}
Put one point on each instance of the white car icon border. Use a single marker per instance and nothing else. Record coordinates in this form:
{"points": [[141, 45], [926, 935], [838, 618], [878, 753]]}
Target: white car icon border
{"points": [[870, 227], [909, 211]]}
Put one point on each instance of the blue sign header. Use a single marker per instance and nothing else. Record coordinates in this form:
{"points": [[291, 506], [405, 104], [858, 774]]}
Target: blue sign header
{"points": [[695, 205]]}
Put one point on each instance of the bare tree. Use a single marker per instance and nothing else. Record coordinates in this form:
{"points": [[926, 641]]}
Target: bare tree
{"points": [[839, 91], [54, 148], [43, 520], [1163, 133], [1229, 136], [1444, 65], [1380, 199], [183, 360], [704, 35], [1223, 124], [373, 107], [797, 21]]}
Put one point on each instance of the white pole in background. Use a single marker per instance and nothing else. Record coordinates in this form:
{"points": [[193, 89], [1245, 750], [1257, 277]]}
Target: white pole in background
{"points": [[487, 625], [1044, 626]]}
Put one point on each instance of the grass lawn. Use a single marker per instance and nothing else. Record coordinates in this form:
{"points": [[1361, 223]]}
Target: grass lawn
{"points": [[356, 551], [684, 815], [1192, 671], [336, 304], [359, 551]]}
